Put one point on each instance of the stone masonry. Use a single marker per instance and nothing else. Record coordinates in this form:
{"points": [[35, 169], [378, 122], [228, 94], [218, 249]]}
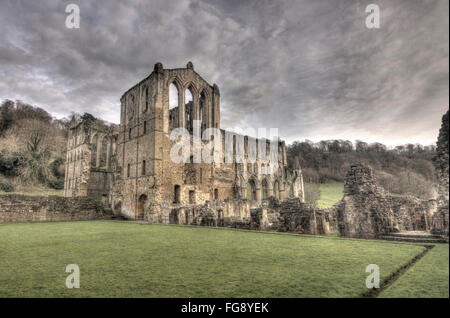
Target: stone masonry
{"points": [[129, 166], [441, 163], [22, 208], [365, 210]]}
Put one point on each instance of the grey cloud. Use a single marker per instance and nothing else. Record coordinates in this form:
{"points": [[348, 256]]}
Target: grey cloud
{"points": [[310, 68]]}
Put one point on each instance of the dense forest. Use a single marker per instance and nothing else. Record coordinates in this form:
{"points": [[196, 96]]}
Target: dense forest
{"points": [[33, 146]]}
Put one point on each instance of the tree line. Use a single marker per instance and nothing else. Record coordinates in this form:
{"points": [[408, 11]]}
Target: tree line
{"points": [[403, 169]]}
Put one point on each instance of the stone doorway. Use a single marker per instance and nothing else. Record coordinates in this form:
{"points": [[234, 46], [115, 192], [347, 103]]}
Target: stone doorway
{"points": [[141, 207]]}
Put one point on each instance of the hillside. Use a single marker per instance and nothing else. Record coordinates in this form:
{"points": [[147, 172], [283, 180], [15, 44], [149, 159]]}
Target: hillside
{"points": [[32, 149], [401, 170]]}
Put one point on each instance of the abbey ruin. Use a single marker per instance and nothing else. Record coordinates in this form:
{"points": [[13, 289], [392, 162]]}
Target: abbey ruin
{"points": [[129, 169], [129, 165]]}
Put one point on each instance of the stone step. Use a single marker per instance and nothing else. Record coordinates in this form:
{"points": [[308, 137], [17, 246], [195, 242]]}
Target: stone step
{"points": [[414, 239], [428, 235]]}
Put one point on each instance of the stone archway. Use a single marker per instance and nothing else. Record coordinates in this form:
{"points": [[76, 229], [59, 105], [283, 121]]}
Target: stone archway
{"points": [[118, 208], [251, 190], [141, 207], [276, 189]]}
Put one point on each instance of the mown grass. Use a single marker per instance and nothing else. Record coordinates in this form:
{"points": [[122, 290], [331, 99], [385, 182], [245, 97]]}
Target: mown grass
{"points": [[330, 194], [427, 278], [120, 259]]}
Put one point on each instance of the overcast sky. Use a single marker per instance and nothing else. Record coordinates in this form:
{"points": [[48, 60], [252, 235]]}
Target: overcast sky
{"points": [[310, 68]]}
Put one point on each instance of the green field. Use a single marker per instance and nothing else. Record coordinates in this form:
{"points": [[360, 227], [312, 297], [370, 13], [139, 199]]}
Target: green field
{"points": [[125, 259], [330, 194], [427, 278]]}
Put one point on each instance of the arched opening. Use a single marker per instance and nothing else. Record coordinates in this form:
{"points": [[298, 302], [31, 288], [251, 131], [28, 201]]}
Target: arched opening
{"points": [[291, 191], [173, 106], [276, 189], [189, 109], [173, 96], [141, 207], [251, 190], [176, 194], [191, 196], [265, 190], [216, 194]]}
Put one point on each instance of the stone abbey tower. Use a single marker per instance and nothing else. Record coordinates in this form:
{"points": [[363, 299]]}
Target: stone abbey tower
{"points": [[129, 167]]}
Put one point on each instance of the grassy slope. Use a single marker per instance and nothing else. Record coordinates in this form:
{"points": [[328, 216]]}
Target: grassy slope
{"points": [[330, 193], [427, 278], [119, 259]]}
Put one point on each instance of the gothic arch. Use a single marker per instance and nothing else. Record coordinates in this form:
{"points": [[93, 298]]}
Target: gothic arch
{"points": [[277, 189], [251, 189], [190, 106], [179, 88]]}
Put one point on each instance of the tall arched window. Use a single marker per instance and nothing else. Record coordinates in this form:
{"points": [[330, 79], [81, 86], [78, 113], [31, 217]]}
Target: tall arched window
{"points": [[251, 190], [173, 96], [189, 109]]}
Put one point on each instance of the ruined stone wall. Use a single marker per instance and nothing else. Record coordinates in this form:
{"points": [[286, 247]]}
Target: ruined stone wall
{"points": [[147, 182], [91, 151], [365, 211], [299, 217], [441, 163], [21, 208], [289, 215], [413, 214]]}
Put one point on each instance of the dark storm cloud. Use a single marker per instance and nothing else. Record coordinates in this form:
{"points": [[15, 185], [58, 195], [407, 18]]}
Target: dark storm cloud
{"points": [[310, 68]]}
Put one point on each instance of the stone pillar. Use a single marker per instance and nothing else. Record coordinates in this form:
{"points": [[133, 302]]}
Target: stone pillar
{"points": [[181, 109]]}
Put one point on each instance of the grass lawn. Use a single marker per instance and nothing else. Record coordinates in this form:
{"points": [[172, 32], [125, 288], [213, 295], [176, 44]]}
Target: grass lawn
{"points": [[330, 193], [427, 278], [120, 259]]}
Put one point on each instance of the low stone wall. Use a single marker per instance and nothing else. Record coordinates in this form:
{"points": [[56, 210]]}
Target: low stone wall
{"points": [[22, 208], [296, 216], [290, 215]]}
